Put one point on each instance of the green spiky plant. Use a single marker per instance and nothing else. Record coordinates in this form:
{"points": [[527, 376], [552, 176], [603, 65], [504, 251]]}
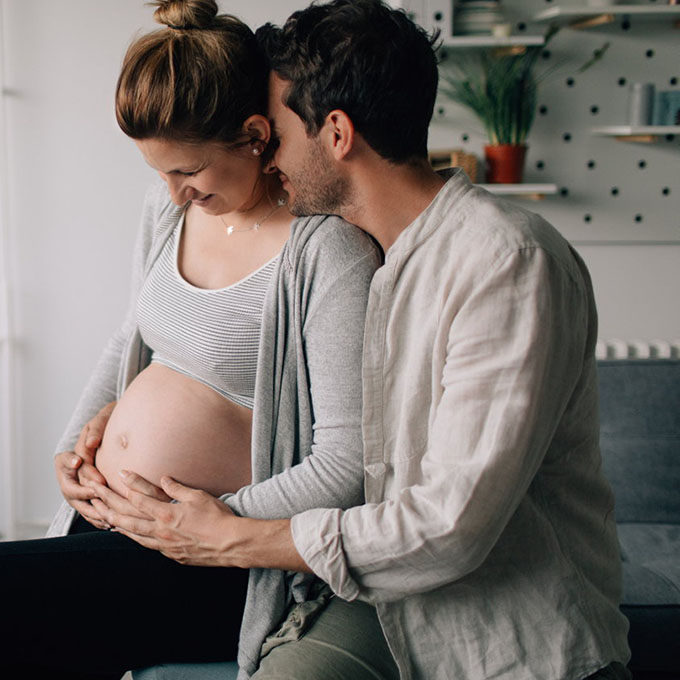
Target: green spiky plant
{"points": [[502, 91]]}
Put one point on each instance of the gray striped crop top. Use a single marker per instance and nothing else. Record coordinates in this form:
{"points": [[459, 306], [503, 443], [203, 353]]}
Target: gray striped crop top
{"points": [[210, 335]]}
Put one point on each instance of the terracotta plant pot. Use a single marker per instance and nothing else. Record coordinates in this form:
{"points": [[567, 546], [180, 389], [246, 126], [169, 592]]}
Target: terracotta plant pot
{"points": [[504, 163]]}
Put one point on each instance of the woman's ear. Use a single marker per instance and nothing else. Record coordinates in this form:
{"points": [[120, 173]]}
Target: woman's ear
{"points": [[339, 130], [258, 129]]}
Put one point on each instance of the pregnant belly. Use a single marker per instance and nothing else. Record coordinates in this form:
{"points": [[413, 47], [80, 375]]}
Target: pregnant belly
{"points": [[169, 424]]}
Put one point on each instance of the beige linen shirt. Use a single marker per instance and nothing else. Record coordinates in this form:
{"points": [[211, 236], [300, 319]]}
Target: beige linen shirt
{"points": [[487, 541]]}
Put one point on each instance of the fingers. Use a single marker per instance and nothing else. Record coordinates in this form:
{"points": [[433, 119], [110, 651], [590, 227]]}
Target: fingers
{"points": [[137, 483], [121, 521], [89, 473], [92, 434], [145, 541], [143, 486], [66, 466], [90, 513], [178, 491], [67, 461], [108, 503]]}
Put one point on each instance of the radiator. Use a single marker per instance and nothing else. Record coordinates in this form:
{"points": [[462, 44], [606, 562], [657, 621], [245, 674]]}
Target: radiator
{"points": [[637, 349]]}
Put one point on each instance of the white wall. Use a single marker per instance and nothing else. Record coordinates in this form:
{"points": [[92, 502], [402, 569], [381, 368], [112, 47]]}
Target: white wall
{"points": [[75, 187]]}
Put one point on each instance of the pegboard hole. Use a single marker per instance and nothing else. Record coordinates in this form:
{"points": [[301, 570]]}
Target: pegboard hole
{"points": [[642, 165], [621, 82], [625, 25], [614, 191], [540, 165], [638, 218], [594, 110], [465, 137], [587, 218], [570, 82], [438, 16], [566, 136], [591, 165], [543, 110], [649, 54], [564, 191], [673, 81], [666, 191]]}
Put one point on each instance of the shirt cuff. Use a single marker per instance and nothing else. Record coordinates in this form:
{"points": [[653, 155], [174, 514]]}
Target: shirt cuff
{"points": [[317, 535]]}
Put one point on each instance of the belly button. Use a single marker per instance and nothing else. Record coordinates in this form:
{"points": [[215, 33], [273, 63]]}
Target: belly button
{"points": [[123, 441]]}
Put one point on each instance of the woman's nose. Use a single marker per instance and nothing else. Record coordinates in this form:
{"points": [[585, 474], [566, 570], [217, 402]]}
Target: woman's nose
{"points": [[178, 190]]}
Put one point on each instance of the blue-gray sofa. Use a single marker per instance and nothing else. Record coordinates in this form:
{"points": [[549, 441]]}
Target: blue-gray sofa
{"points": [[640, 440]]}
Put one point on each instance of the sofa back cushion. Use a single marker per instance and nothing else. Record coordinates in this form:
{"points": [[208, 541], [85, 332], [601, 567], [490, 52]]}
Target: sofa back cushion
{"points": [[640, 437]]}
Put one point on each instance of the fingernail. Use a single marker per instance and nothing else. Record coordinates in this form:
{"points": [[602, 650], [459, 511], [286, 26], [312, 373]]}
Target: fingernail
{"points": [[124, 473], [74, 461]]}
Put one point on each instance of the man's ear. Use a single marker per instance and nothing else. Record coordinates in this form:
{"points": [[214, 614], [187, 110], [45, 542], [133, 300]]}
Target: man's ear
{"points": [[339, 130]]}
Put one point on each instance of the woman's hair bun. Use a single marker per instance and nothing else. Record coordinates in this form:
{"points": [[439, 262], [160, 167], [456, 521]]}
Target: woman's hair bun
{"points": [[185, 14]]}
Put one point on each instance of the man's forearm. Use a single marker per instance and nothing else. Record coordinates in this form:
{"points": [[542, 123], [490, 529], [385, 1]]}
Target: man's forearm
{"points": [[265, 544]]}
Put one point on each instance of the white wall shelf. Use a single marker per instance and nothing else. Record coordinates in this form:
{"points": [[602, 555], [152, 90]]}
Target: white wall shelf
{"points": [[636, 133], [482, 41], [589, 17], [531, 191]]}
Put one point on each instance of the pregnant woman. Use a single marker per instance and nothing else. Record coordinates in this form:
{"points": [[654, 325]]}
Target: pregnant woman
{"points": [[237, 371]]}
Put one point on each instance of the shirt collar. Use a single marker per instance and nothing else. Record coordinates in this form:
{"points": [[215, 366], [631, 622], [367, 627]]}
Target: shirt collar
{"points": [[456, 186]]}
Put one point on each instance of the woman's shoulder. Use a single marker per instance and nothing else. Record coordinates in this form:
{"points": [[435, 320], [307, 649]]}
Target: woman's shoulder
{"points": [[331, 239]]}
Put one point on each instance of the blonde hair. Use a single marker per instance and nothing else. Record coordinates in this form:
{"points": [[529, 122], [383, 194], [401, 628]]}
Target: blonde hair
{"points": [[196, 80]]}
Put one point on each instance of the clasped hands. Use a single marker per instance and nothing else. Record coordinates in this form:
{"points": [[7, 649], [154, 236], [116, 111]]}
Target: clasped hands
{"points": [[197, 529], [190, 531]]}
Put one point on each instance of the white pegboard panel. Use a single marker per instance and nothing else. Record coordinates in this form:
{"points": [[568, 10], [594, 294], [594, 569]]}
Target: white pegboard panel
{"points": [[430, 14], [609, 191]]}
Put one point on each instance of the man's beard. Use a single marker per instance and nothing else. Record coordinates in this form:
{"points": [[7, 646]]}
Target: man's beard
{"points": [[318, 190]]}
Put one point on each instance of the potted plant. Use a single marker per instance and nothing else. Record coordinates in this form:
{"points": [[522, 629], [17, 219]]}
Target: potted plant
{"points": [[501, 89]]}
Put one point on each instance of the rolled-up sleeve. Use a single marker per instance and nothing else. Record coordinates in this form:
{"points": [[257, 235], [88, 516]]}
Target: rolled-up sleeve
{"points": [[510, 356]]}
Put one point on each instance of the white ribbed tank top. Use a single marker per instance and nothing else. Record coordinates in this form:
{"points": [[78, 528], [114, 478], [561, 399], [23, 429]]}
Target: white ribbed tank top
{"points": [[210, 335]]}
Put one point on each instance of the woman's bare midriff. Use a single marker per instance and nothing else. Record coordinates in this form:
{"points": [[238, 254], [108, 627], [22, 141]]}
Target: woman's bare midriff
{"points": [[167, 423]]}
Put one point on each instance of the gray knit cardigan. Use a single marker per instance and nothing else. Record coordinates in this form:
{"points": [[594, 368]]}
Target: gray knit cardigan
{"points": [[306, 444]]}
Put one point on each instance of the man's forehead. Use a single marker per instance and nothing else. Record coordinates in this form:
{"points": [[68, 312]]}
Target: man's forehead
{"points": [[277, 89]]}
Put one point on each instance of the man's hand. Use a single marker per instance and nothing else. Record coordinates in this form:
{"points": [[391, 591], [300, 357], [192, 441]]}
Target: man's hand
{"points": [[187, 532], [198, 529]]}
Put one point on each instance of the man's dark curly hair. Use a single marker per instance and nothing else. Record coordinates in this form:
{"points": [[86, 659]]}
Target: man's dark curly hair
{"points": [[366, 59]]}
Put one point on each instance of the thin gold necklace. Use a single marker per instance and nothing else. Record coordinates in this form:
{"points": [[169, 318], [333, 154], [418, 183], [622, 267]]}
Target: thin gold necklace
{"points": [[231, 229]]}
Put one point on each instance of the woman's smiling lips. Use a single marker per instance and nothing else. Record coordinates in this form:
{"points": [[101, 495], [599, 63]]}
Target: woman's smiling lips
{"points": [[202, 201]]}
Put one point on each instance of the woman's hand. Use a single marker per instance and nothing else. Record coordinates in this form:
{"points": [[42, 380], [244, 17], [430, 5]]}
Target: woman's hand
{"points": [[73, 468], [89, 441], [77, 496]]}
